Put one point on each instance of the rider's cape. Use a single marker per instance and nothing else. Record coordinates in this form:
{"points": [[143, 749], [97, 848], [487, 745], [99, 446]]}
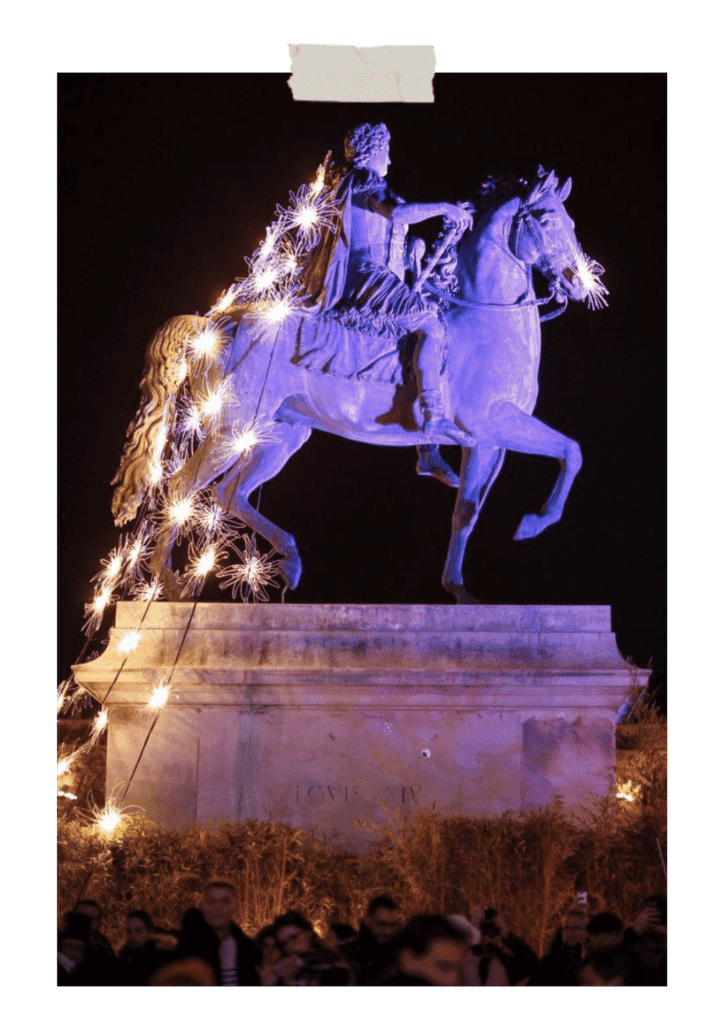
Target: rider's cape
{"points": [[366, 336]]}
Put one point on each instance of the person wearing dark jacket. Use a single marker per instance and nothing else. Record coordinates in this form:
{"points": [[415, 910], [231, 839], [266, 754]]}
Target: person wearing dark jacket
{"points": [[140, 957], [566, 953], [372, 951], [211, 934], [516, 957]]}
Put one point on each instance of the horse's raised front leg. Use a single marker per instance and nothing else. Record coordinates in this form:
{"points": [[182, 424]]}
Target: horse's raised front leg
{"points": [[520, 432], [233, 492], [480, 466]]}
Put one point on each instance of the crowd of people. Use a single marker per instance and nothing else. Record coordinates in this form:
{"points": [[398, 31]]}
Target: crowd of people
{"points": [[592, 946]]}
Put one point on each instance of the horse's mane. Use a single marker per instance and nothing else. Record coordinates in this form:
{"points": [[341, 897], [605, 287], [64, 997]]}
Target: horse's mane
{"points": [[498, 189]]}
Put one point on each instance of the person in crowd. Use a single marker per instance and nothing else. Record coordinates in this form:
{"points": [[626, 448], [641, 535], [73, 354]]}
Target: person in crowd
{"points": [[470, 971], [566, 951], [100, 958], [339, 933], [603, 932], [214, 936], [73, 942], [188, 971], [430, 951], [141, 956], [373, 951], [304, 958], [646, 937], [93, 911], [608, 966], [505, 959]]}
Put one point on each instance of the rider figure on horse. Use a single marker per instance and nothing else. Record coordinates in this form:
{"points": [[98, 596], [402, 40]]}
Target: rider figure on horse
{"points": [[359, 264]]}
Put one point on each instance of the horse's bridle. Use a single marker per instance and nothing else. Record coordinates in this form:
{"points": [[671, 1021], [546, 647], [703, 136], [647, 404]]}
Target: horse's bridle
{"points": [[522, 220]]}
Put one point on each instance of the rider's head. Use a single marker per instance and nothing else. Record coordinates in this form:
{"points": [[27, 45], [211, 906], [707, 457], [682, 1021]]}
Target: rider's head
{"points": [[363, 143]]}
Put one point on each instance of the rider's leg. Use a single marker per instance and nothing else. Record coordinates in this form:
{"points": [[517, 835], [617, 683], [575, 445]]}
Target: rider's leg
{"points": [[431, 463], [427, 361]]}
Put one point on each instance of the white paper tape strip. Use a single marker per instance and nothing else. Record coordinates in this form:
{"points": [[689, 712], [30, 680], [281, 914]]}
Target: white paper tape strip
{"points": [[370, 74]]}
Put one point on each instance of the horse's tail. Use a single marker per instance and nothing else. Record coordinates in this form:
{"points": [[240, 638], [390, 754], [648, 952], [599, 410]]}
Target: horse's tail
{"points": [[163, 375]]}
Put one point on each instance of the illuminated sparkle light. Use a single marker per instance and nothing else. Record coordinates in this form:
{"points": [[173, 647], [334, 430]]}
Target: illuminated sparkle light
{"points": [[226, 300], [201, 563], [159, 696], [242, 440], [253, 574], [589, 272], [67, 796], [129, 642], [96, 609], [276, 311], [628, 791], [269, 244], [100, 723], [149, 591], [155, 473], [181, 511], [108, 820], [66, 763], [305, 217], [215, 400], [207, 343]]}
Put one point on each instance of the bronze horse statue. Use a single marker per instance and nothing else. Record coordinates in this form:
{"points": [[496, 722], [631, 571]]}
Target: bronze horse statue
{"points": [[489, 388]]}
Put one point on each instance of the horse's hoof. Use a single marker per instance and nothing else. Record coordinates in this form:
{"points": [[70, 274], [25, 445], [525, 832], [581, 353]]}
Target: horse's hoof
{"points": [[530, 526], [461, 595], [291, 570]]}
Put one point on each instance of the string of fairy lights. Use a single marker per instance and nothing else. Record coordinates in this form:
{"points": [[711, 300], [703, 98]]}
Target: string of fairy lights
{"points": [[203, 393], [266, 297]]}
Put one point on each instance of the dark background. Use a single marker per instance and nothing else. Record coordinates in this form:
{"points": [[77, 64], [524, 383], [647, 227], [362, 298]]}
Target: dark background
{"points": [[166, 183]]}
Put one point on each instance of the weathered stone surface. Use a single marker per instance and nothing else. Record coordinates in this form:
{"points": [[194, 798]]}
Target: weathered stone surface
{"points": [[322, 715]]}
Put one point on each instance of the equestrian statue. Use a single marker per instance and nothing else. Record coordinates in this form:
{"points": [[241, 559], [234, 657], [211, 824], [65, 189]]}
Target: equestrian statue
{"points": [[382, 343]]}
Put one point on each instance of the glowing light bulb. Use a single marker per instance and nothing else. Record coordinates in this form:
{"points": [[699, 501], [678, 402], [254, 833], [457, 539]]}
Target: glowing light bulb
{"points": [[100, 722], [206, 343], [108, 820], [181, 510], [589, 271], [159, 696], [129, 642]]}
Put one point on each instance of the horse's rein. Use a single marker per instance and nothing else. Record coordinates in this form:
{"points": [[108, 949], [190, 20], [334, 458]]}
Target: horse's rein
{"points": [[510, 306]]}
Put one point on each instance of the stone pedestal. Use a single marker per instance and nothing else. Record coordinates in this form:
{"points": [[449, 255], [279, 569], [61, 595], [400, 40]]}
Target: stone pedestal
{"points": [[325, 715]]}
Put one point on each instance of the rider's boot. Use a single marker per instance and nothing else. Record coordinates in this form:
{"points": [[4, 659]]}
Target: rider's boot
{"points": [[436, 427], [431, 463]]}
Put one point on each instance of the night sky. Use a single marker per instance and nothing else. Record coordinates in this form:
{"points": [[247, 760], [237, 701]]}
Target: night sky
{"points": [[166, 183]]}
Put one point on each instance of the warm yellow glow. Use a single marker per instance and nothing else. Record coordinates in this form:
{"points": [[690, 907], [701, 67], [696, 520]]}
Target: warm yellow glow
{"points": [[159, 696], [99, 723], [318, 183], [108, 820], [181, 510], [114, 566], [265, 278], [64, 765], [181, 370], [129, 642], [206, 343], [269, 244], [100, 601], [277, 311], [149, 591], [305, 217], [68, 796], [155, 473], [628, 791], [205, 562], [214, 400], [134, 551], [225, 301]]}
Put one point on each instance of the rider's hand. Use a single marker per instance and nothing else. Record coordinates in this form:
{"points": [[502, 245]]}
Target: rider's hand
{"points": [[459, 213]]}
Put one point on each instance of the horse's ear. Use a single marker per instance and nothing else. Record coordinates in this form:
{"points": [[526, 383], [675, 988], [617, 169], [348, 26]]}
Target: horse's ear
{"points": [[565, 190], [551, 182]]}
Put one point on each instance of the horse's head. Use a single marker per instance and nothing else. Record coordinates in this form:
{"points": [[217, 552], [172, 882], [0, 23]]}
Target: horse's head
{"points": [[544, 236]]}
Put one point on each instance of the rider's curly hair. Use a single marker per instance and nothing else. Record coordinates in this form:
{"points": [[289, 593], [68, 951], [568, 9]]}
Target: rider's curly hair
{"points": [[364, 141]]}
